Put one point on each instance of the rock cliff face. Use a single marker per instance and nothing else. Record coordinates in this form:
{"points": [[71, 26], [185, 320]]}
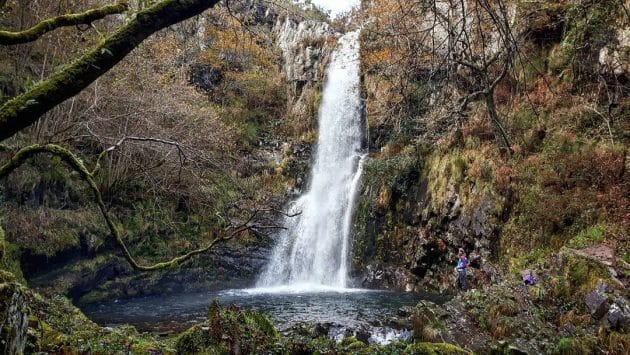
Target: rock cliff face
{"points": [[406, 239], [614, 55], [306, 46]]}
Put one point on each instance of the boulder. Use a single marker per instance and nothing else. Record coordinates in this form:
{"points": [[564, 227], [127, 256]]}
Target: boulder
{"points": [[597, 304], [379, 276], [363, 336], [619, 315]]}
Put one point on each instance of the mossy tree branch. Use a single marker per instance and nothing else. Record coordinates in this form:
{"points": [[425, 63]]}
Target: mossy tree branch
{"points": [[77, 165], [51, 24], [24, 110]]}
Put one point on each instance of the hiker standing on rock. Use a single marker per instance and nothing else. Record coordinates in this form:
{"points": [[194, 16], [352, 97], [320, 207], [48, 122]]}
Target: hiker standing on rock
{"points": [[462, 264]]}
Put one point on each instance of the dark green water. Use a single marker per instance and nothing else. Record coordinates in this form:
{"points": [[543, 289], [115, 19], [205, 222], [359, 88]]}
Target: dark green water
{"points": [[343, 309]]}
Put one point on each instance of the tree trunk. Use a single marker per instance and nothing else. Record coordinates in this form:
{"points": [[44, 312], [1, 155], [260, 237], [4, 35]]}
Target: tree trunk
{"points": [[13, 319], [496, 122]]}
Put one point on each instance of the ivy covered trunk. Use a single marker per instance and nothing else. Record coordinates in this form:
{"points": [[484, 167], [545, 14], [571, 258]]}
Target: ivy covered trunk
{"points": [[13, 319]]}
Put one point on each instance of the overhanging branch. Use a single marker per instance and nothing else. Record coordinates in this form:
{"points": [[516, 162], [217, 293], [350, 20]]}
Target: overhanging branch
{"points": [[85, 18]]}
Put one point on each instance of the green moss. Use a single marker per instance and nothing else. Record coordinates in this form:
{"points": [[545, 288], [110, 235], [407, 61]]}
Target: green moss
{"points": [[434, 349], [51, 24], [3, 247], [390, 171], [583, 274], [103, 341], [193, 340], [10, 263], [588, 30], [459, 168], [575, 346], [351, 344], [96, 296], [532, 259], [588, 237]]}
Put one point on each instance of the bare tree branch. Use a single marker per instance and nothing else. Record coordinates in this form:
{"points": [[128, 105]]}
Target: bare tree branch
{"points": [[180, 149]]}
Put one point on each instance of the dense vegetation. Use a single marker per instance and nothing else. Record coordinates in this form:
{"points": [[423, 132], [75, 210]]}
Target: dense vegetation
{"points": [[497, 126], [562, 103]]}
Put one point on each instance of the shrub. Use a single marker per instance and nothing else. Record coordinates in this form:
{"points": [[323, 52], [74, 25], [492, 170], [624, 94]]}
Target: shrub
{"points": [[575, 346], [228, 329], [588, 237]]}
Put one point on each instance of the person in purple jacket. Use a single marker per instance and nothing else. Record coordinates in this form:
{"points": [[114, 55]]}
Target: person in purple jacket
{"points": [[528, 278], [462, 264]]}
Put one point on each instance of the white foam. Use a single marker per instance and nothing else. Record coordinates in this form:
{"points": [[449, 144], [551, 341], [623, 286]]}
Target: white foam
{"points": [[300, 288]]}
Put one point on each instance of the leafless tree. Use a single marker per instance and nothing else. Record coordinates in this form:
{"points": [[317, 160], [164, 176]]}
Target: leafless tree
{"points": [[457, 50]]}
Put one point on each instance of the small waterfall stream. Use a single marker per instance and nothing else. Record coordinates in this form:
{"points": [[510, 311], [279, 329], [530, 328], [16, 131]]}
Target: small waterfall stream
{"points": [[312, 253]]}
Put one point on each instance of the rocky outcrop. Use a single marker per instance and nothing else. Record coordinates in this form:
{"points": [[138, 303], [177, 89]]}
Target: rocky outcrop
{"points": [[227, 266], [303, 46], [306, 48], [378, 276], [511, 318], [607, 307], [614, 56], [408, 229]]}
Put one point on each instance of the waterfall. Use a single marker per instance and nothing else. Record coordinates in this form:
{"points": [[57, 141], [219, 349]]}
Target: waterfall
{"points": [[312, 253]]}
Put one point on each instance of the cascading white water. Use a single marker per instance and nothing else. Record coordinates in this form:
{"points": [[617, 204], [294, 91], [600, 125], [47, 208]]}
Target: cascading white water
{"points": [[312, 253]]}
